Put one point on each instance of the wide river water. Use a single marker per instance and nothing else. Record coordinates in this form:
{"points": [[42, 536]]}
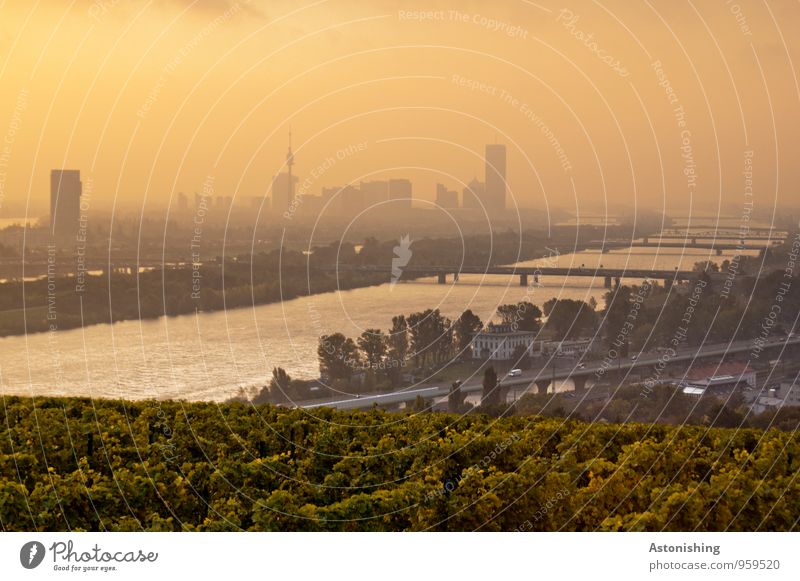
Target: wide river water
{"points": [[209, 356]]}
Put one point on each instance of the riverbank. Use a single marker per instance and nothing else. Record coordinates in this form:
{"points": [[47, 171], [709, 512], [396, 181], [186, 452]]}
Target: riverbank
{"points": [[210, 356], [55, 303]]}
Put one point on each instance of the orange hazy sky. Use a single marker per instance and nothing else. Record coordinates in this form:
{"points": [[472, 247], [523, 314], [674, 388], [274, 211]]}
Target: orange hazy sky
{"points": [[619, 104]]}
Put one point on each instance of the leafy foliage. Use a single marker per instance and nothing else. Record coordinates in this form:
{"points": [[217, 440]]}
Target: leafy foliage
{"points": [[76, 464]]}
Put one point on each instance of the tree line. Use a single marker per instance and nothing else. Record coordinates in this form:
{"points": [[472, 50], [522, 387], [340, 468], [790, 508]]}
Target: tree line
{"points": [[425, 340], [241, 281]]}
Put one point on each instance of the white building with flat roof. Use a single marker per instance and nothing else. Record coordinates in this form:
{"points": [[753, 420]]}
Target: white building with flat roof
{"points": [[718, 379], [499, 342]]}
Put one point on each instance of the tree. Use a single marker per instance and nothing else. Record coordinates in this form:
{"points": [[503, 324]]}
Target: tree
{"points": [[338, 356], [372, 343], [705, 266], [489, 395], [465, 328], [397, 343], [419, 405], [431, 336], [640, 335], [524, 316], [455, 399], [568, 318], [443, 346], [521, 358], [280, 385], [398, 338]]}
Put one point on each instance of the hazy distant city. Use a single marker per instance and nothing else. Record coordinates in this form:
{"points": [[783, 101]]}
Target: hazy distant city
{"points": [[335, 266]]}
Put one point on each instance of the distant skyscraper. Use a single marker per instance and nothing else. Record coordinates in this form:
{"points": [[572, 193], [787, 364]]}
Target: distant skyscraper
{"points": [[472, 196], [400, 189], [446, 198], [374, 192], [183, 201], [257, 202], [65, 202], [495, 176], [351, 200], [345, 200]]}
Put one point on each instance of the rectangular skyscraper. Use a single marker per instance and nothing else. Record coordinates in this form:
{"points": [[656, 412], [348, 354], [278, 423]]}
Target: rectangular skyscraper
{"points": [[65, 202], [400, 190], [495, 176], [472, 197], [446, 198], [374, 192]]}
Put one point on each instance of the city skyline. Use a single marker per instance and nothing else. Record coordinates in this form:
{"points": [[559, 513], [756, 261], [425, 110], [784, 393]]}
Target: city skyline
{"points": [[350, 199], [579, 132], [323, 266]]}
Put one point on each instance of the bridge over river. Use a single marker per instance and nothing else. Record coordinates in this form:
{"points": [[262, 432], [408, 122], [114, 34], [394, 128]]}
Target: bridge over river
{"points": [[534, 273], [719, 247]]}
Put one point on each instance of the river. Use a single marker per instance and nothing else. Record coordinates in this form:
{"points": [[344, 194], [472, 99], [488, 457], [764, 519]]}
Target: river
{"points": [[209, 356]]}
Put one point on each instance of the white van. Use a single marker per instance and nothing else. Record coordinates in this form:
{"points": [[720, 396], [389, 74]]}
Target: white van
{"points": [[515, 372]]}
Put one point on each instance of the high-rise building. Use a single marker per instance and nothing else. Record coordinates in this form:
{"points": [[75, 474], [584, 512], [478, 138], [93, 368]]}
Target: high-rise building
{"points": [[351, 200], [472, 196], [374, 192], [446, 198], [259, 202], [495, 176], [344, 200], [400, 190], [65, 202]]}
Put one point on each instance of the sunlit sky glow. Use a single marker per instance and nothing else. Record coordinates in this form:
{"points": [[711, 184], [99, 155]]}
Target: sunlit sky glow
{"points": [[147, 98]]}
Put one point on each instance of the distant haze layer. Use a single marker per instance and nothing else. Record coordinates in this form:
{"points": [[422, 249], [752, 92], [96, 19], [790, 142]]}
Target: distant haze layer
{"points": [[664, 105]]}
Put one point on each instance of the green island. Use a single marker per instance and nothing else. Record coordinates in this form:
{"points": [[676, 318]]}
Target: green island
{"points": [[58, 301]]}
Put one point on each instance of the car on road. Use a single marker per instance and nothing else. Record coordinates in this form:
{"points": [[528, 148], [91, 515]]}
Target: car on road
{"points": [[634, 357], [581, 365], [515, 372]]}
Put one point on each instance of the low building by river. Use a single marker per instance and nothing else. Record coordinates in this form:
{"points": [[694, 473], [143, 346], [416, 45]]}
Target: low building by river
{"points": [[500, 342]]}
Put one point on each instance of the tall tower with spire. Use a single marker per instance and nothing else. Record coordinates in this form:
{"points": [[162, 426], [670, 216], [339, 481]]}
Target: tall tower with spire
{"points": [[289, 164], [283, 184]]}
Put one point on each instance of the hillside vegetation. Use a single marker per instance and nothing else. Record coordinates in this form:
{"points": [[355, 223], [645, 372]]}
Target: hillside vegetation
{"points": [[76, 464]]}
